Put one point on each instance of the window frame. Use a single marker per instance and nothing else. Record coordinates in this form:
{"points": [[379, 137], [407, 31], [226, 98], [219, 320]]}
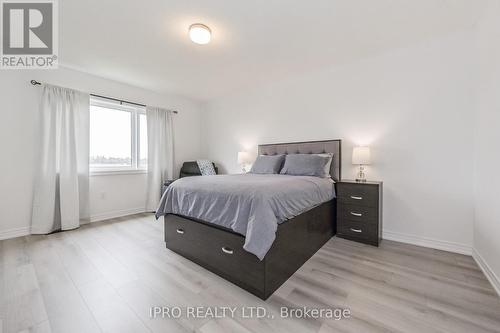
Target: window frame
{"points": [[135, 132]]}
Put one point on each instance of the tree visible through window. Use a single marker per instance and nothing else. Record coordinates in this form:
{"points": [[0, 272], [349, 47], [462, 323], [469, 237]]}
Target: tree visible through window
{"points": [[118, 137]]}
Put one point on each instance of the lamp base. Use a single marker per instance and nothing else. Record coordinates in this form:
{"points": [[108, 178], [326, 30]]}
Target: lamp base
{"points": [[361, 176]]}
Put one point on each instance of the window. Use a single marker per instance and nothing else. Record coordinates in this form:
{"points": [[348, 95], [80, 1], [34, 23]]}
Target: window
{"points": [[118, 137]]}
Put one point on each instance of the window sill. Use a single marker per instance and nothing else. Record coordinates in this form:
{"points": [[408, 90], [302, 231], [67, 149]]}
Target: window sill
{"points": [[117, 172]]}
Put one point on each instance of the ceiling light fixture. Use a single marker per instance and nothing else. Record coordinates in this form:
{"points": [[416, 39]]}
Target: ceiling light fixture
{"points": [[200, 33]]}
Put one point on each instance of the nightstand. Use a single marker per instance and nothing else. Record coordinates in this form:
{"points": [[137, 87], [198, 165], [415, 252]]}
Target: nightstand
{"points": [[359, 211], [165, 185]]}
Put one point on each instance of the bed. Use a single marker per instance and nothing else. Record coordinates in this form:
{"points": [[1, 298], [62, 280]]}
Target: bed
{"points": [[264, 257]]}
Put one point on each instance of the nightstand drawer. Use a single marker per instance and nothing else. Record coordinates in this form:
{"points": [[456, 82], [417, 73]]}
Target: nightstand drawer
{"points": [[361, 214], [358, 230], [358, 194]]}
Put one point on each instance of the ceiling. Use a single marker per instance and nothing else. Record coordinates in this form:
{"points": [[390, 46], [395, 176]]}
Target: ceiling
{"points": [[146, 44]]}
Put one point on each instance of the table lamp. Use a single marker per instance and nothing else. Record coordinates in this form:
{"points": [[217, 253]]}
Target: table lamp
{"points": [[361, 157], [244, 159]]}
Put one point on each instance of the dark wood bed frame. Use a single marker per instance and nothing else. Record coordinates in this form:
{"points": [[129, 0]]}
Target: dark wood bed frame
{"points": [[220, 250]]}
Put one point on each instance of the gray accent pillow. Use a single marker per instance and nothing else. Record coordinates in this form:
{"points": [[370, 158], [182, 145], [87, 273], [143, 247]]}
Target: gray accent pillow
{"points": [[305, 165], [328, 164], [267, 164]]}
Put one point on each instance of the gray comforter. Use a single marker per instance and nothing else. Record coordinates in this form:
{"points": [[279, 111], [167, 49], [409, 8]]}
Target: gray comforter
{"points": [[251, 205]]}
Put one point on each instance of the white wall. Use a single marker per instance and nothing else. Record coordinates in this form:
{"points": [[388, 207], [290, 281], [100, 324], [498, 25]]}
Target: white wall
{"points": [[110, 195], [413, 106], [487, 140]]}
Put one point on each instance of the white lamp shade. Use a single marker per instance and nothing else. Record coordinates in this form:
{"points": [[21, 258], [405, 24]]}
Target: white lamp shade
{"points": [[244, 157], [361, 155]]}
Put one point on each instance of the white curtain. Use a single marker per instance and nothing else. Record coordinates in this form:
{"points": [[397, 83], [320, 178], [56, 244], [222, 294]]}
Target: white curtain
{"points": [[61, 198], [160, 153]]}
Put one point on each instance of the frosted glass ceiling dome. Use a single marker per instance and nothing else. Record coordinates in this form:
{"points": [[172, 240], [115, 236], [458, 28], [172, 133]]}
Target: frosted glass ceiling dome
{"points": [[200, 33]]}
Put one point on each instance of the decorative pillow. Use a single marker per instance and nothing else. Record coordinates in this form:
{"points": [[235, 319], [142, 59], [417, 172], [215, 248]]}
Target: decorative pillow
{"points": [[267, 164], [206, 167], [305, 165]]}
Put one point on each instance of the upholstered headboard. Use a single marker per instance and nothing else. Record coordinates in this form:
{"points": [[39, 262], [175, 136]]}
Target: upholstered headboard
{"points": [[311, 147]]}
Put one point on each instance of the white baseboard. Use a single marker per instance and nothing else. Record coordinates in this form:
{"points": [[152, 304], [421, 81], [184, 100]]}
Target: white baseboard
{"points": [[24, 231], [116, 213], [427, 242], [15, 232], [490, 275]]}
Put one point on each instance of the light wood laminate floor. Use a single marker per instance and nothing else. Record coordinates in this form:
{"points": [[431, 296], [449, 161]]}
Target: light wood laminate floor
{"points": [[105, 277]]}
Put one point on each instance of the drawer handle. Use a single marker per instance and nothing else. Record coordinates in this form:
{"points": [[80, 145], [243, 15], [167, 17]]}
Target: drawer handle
{"points": [[356, 214], [356, 198], [356, 230], [227, 250], [180, 231]]}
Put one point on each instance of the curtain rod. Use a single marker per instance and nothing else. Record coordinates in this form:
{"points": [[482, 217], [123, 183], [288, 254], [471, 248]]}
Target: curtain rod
{"points": [[36, 83]]}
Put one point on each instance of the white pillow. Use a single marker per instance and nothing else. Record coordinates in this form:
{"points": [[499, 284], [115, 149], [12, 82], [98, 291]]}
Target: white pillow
{"points": [[328, 164]]}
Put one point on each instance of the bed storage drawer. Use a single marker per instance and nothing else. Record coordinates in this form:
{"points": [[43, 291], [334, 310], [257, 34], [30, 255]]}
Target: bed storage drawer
{"points": [[217, 250], [221, 251]]}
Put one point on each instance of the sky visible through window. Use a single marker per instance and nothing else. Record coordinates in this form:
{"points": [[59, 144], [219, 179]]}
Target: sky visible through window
{"points": [[110, 137]]}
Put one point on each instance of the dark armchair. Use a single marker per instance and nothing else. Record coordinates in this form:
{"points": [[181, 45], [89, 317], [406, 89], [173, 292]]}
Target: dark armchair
{"points": [[188, 169], [191, 169]]}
